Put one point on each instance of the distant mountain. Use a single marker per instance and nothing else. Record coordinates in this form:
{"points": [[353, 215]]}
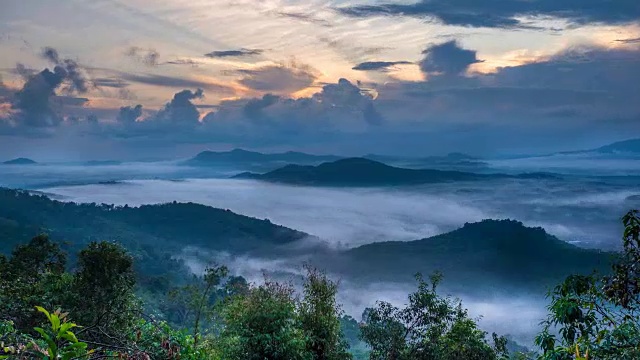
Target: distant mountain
{"points": [[452, 161], [241, 156], [366, 172], [20, 161], [627, 146], [490, 254]]}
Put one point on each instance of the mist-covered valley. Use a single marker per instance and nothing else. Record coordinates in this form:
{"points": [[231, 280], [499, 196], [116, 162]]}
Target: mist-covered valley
{"points": [[579, 209]]}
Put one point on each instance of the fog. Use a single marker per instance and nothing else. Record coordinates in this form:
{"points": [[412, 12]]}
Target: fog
{"points": [[518, 315], [579, 209], [582, 211]]}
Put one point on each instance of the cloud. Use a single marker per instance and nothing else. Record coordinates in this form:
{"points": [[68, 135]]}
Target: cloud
{"points": [[129, 114], [180, 110], [505, 13], [629, 41], [189, 62], [304, 17], [338, 107], [74, 73], [110, 82], [23, 71], [447, 59], [379, 65], [148, 57], [174, 82], [281, 78], [234, 53], [33, 100]]}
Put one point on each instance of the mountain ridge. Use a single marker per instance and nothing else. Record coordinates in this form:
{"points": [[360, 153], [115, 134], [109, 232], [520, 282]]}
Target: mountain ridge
{"points": [[367, 172]]}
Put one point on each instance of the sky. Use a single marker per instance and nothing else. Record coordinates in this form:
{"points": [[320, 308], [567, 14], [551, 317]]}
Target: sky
{"points": [[102, 79]]}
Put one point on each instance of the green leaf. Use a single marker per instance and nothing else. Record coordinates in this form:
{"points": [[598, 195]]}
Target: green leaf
{"points": [[44, 311]]}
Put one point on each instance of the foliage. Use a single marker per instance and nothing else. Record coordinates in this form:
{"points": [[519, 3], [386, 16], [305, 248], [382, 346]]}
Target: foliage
{"points": [[33, 275], [598, 317], [263, 324], [320, 317], [430, 327], [61, 342], [196, 301]]}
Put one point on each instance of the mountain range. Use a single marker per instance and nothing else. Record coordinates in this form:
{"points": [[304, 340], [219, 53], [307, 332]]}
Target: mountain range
{"points": [[477, 257], [207, 158], [366, 172]]}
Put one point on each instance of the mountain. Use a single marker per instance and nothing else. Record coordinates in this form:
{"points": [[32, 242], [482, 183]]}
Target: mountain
{"points": [[170, 226], [452, 161], [491, 254], [631, 146], [20, 161], [240, 156], [366, 172]]}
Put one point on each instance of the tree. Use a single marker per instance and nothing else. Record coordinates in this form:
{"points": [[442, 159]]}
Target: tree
{"points": [[263, 325], [320, 318], [430, 327], [33, 275], [104, 293], [594, 316], [196, 301]]}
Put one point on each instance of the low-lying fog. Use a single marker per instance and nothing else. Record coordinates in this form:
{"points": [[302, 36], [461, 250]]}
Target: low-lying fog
{"points": [[586, 212], [578, 209]]}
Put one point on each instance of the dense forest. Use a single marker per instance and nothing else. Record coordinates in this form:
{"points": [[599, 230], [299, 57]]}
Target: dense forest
{"points": [[65, 293]]}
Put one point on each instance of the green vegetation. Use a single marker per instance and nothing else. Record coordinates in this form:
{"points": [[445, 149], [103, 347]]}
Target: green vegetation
{"points": [[429, 327], [500, 254], [598, 316], [99, 302]]}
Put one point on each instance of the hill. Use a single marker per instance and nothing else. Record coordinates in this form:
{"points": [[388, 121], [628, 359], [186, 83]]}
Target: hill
{"points": [[631, 146], [366, 172], [20, 161], [491, 254], [240, 156], [153, 233]]}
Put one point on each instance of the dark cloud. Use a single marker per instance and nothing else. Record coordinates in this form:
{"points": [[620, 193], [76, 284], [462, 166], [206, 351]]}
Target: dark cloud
{"points": [[340, 106], [283, 78], [253, 109], [174, 82], [77, 81], [51, 54], [447, 59], [304, 17], [378, 65], [33, 100], [234, 53], [23, 71], [129, 114], [180, 110], [189, 62], [629, 41], [148, 57], [504, 13], [110, 83]]}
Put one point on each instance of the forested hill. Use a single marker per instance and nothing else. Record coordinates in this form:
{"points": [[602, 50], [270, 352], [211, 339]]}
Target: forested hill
{"points": [[366, 172], [23, 215], [489, 254]]}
